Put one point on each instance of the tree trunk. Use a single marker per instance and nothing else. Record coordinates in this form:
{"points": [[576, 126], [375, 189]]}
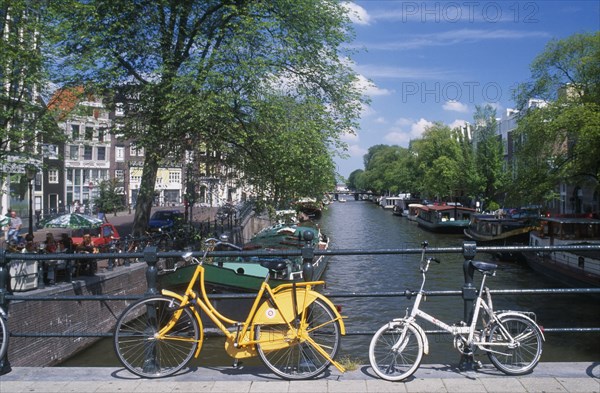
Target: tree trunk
{"points": [[145, 199]]}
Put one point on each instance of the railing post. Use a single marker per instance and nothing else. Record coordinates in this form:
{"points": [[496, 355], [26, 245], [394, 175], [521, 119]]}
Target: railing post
{"points": [[469, 294], [152, 272], [4, 277], [308, 254], [40, 277]]}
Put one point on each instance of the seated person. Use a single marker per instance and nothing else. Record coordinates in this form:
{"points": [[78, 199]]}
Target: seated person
{"points": [[89, 265], [50, 246]]}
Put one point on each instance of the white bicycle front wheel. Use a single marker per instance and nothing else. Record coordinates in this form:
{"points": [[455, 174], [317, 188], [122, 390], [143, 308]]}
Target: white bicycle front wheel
{"points": [[394, 362], [518, 345]]}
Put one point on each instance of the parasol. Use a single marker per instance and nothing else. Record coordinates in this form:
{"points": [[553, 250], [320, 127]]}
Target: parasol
{"points": [[4, 221], [73, 221]]}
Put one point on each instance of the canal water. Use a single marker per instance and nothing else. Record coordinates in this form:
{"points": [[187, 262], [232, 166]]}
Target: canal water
{"points": [[364, 225]]}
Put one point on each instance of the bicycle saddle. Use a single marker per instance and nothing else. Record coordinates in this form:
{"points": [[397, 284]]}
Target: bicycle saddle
{"points": [[277, 265], [484, 267]]}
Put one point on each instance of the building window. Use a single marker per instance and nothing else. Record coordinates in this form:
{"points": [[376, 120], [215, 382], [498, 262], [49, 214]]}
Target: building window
{"points": [[101, 153], [53, 176], [119, 153], [75, 131], [87, 153], [73, 152], [89, 133], [136, 151], [50, 151], [101, 133], [174, 177], [119, 173]]}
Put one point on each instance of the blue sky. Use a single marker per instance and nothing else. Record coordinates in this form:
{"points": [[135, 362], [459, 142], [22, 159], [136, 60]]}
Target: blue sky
{"points": [[434, 61]]}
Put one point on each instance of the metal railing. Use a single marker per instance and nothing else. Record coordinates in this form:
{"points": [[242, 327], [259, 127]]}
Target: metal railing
{"points": [[152, 257]]}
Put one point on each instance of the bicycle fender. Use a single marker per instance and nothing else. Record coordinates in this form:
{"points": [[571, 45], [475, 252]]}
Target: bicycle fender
{"points": [[521, 315], [419, 329], [269, 315], [167, 293]]}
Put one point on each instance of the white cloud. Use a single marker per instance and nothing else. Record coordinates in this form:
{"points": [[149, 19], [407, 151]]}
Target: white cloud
{"points": [[450, 37], [349, 136], [369, 88], [357, 13], [403, 122], [356, 151], [381, 120], [457, 123], [377, 71], [400, 136], [456, 106]]}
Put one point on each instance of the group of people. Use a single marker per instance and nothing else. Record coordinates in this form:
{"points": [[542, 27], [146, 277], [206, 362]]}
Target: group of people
{"points": [[64, 245]]}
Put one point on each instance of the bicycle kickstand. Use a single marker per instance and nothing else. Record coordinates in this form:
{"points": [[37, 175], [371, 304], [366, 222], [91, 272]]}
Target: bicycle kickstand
{"points": [[468, 362]]}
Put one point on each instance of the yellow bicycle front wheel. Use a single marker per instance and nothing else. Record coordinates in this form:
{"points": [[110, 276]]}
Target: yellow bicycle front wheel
{"points": [[287, 352]]}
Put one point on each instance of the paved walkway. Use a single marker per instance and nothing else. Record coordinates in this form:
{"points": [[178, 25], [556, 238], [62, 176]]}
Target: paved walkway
{"points": [[547, 377]]}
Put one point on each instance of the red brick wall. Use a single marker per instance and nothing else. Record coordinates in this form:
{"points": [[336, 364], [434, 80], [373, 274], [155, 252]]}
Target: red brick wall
{"points": [[85, 316]]}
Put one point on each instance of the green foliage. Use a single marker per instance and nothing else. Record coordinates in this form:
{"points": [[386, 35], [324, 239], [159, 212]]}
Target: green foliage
{"points": [[560, 141], [353, 182], [24, 119], [217, 72], [489, 162], [109, 200]]}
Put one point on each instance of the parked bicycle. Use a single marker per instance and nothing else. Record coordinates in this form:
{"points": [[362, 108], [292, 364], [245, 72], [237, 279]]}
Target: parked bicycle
{"points": [[295, 330], [512, 340], [3, 333]]}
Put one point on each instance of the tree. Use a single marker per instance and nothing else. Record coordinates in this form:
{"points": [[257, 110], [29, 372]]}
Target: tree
{"points": [[109, 199], [385, 170], [438, 163], [191, 71], [561, 140], [25, 122], [489, 163], [354, 180]]}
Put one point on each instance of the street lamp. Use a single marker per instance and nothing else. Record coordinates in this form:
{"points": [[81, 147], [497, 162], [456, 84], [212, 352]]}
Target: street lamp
{"points": [[30, 171]]}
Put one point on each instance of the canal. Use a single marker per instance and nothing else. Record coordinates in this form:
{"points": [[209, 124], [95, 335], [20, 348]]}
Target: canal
{"points": [[364, 225]]}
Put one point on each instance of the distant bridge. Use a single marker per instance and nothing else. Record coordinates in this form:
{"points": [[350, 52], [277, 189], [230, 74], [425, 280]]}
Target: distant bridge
{"points": [[358, 195]]}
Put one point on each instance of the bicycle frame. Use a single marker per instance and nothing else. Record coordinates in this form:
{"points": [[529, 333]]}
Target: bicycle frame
{"points": [[461, 331], [241, 344]]}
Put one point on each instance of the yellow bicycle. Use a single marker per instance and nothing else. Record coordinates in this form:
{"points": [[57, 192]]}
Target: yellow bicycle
{"points": [[295, 330]]}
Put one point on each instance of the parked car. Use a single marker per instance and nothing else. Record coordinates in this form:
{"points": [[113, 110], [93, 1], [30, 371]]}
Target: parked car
{"points": [[165, 220]]}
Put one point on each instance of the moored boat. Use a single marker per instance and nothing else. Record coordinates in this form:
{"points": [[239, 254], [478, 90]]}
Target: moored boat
{"points": [[572, 268], [413, 211], [446, 218], [245, 274], [311, 207], [500, 229]]}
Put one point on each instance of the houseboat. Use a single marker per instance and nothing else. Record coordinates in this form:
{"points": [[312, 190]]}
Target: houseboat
{"points": [[398, 203], [500, 230], [245, 274], [572, 268], [446, 218], [413, 211]]}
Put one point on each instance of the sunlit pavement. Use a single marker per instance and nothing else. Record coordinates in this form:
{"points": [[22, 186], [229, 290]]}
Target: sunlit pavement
{"points": [[547, 377]]}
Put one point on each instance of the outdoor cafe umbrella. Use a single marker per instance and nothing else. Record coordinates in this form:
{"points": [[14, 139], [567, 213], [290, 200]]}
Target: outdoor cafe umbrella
{"points": [[4, 221], [73, 221]]}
